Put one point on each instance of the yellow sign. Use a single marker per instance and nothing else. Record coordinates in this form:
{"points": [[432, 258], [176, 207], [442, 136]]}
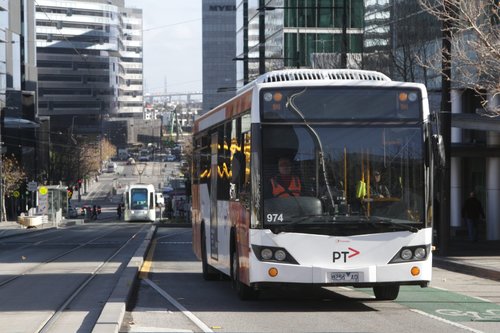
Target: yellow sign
{"points": [[43, 190], [16, 194]]}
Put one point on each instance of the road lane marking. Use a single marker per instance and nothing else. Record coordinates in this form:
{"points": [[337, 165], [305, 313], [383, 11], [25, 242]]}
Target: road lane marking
{"points": [[179, 306], [446, 321]]}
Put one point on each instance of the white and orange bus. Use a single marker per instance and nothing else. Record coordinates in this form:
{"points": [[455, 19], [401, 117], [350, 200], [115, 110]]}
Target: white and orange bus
{"points": [[339, 128]]}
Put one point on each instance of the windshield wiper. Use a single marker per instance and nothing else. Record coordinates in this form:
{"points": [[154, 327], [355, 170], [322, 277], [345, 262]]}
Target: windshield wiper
{"points": [[299, 219], [396, 224]]}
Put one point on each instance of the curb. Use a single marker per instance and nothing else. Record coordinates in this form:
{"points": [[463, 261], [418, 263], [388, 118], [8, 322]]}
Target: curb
{"points": [[111, 317], [468, 268], [173, 225]]}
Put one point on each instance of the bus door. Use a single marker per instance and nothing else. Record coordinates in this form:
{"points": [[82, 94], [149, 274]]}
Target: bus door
{"points": [[214, 245]]}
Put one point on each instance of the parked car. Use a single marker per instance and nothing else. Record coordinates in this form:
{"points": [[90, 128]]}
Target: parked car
{"points": [[72, 212], [170, 158], [111, 167]]}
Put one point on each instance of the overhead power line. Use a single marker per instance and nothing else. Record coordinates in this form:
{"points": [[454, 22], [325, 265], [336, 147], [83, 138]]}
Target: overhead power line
{"points": [[171, 25]]}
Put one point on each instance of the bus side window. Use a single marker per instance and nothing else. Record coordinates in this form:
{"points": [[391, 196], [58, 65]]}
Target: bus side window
{"points": [[237, 174]]}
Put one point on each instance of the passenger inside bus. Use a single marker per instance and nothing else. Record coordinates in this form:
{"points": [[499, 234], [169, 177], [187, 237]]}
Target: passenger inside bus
{"points": [[285, 183], [377, 188]]}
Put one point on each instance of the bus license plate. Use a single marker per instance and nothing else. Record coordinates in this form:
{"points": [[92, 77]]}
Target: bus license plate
{"points": [[345, 276]]}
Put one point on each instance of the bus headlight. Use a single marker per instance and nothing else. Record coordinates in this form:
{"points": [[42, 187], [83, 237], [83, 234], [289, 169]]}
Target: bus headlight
{"points": [[273, 254], [420, 253], [411, 253], [266, 253], [280, 255], [406, 254]]}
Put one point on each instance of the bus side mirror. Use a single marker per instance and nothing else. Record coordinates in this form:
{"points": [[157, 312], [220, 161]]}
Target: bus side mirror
{"points": [[438, 150]]}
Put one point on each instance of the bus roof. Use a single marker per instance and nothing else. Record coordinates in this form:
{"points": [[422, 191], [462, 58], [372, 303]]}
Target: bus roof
{"points": [[140, 185], [320, 74], [298, 77]]}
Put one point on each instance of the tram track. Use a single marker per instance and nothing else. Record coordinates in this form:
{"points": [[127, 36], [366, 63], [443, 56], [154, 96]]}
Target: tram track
{"points": [[52, 259], [47, 326], [80, 281]]}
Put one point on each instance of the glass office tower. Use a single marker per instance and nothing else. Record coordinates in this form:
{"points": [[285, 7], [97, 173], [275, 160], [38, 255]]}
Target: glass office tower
{"points": [[276, 34]]}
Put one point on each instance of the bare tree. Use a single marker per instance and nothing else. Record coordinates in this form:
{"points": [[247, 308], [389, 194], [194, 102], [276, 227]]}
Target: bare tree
{"points": [[398, 34], [475, 29]]}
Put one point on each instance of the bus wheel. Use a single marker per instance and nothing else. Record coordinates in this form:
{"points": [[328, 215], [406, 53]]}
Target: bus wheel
{"points": [[243, 291], [209, 273], [386, 293]]}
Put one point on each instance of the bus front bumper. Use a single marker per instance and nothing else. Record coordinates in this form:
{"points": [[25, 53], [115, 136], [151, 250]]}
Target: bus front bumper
{"points": [[418, 273]]}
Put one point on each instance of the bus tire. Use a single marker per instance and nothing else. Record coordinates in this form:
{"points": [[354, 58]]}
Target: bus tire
{"points": [[243, 291], [386, 293], [209, 273]]}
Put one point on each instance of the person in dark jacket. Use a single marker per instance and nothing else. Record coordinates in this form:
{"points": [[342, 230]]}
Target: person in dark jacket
{"points": [[472, 212], [377, 188]]}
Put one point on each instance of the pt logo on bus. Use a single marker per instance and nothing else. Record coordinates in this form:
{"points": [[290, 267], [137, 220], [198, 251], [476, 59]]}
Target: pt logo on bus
{"points": [[344, 255]]}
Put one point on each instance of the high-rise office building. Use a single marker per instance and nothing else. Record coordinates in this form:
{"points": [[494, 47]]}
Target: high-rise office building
{"points": [[87, 71], [21, 130], [219, 49], [131, 82]]}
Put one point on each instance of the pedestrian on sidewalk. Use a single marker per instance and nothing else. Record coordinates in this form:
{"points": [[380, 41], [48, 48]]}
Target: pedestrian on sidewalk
{"points": [[119, 211], [472, 213]]}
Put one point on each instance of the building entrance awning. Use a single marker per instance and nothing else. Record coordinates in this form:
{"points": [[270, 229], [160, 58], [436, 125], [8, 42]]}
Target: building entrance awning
{"points": [[473, 121], [10, 122]]}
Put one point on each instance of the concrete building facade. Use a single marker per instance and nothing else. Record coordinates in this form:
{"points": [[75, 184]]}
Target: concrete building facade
{"points": [[131, 100], [89, 62], [21, 129]]}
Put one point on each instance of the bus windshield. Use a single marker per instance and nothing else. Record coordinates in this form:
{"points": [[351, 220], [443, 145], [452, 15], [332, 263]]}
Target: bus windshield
{"points": [[139, 199], [343, 172]]}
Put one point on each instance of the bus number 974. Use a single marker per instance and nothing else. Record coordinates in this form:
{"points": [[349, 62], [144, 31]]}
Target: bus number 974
{"points": [[274, 217]]}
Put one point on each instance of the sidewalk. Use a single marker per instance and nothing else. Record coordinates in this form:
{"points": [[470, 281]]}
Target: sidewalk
{"points": [[12, 228], [480, 259]]}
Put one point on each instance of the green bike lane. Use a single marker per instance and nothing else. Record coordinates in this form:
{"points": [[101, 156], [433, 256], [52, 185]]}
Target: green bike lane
{"points": [[471, 313]]}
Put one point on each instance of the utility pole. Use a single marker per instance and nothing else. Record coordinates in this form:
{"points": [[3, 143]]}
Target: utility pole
{"points": [[262, 37], [343, 54], [445, 129]]}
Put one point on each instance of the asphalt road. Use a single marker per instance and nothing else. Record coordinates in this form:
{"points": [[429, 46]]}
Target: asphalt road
{"points": [[174, 297]]}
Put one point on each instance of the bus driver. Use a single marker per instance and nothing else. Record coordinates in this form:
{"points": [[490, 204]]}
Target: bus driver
{"points": [[284, 184]]}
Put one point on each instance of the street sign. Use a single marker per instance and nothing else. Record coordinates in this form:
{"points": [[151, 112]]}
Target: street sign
{"points": [[16, 194], [43, 200], [32, 186]]}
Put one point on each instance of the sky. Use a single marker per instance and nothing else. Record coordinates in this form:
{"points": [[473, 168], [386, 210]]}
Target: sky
{"points": [[172, 44]]}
